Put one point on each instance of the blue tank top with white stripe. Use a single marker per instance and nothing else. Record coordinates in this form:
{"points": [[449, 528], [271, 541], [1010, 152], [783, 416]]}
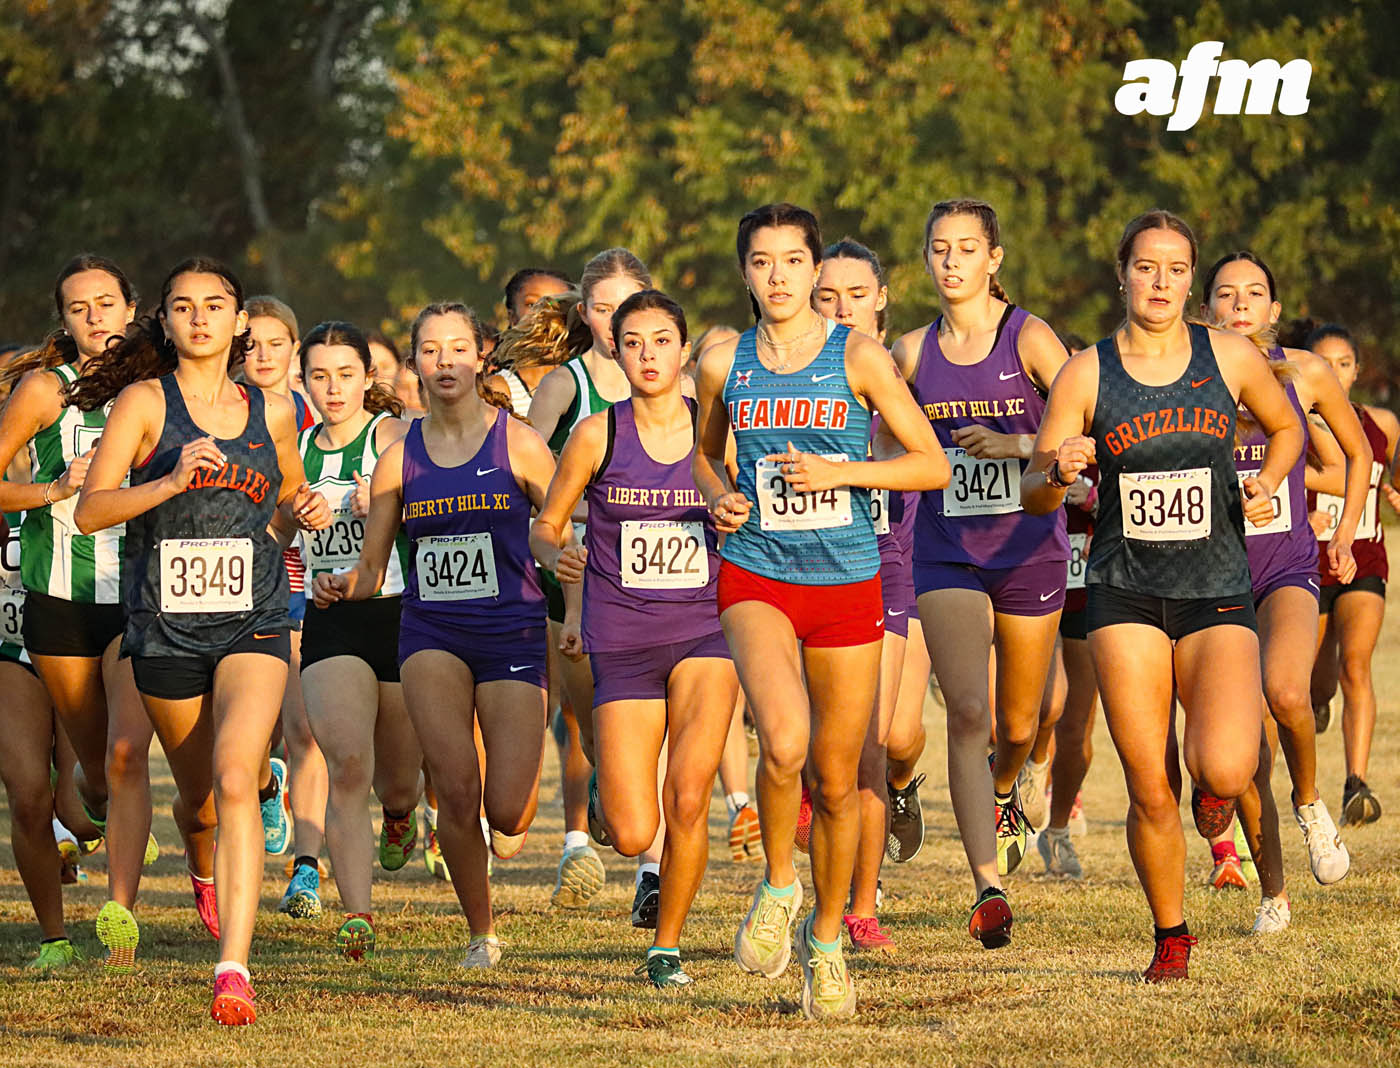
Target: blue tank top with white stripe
{"points": [[808, 539]]}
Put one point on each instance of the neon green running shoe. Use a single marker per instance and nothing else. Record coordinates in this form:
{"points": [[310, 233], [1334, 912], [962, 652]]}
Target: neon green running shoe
{"points": [[432, 854], [827, 990], [397, 837], [763, 944], [54, 956], [119, 935], [152, 851], [355, 939]]}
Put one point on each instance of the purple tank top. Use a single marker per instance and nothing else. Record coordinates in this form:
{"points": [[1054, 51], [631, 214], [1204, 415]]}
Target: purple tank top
{"points": [[1287, 546], [893, 513], [978, 519], [469, 563], [652, 561]]}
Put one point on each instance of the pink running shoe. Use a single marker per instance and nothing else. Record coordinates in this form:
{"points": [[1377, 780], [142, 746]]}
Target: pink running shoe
{"points": [[207, 904], [233, 1000], [867, 935], [802, 836]]}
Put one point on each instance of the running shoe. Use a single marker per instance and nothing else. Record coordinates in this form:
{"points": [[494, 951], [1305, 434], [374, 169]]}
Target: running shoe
{"points": [[277, 828], [290, 868], [581, 875], [802, 835], [1327, 855], [71, 871], [1030, 784], [302, 901], [506, 846], [355, 939], [1170, 959], [432, 853], [664, 970], [1359, 805], [646, 903], [119, 935], [206, 903], [484, 951], [745, 838], [1272, 916], [1078, 825], [1212, 814], [54, 956], [763, 944], [233, 1000], [827, 989], [152, 851], [397, 837], [1251, 873], [595, 821], [1057, 851], [1012, 833], [1227, 874], [1322, 716], [867, 935], [906, 835], [990, 921]]}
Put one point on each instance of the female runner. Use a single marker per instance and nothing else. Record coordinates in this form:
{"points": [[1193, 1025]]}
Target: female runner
{"points": [[589, 382], [526, 288], [851, 290], [799, 590], [662, 672], [986, 574], [350, 667], [1240, 296], [1170, 605], [73, 606], [1352, 610], [462, 484], [269, 365], [210, 462]]}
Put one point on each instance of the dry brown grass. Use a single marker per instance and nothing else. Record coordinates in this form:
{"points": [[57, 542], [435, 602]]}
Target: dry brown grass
{"points": [[1065, 992]]}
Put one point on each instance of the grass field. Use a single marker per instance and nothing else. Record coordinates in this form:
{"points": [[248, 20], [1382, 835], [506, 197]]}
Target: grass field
{"points": [[1065, 992]]}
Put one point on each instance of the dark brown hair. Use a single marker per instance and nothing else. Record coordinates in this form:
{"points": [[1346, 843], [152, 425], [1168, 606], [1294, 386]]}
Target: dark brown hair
{"points": [[782, 214], [986, 216], [1156, 219], [336, 332], [649, 300], [491, 395]]}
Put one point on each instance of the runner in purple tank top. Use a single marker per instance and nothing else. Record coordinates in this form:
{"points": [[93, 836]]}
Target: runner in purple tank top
{"points": [[662, 672], [1239, 295], [987, 575], [472, 637]]}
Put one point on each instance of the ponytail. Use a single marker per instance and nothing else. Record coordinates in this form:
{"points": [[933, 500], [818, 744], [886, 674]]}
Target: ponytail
{"points": [[994, 287], [379, 398], [144, 353], [58, 349], [497, 396]]}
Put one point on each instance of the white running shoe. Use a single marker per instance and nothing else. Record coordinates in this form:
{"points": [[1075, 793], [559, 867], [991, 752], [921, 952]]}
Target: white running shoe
{"points": [[484, 951], [1328, 857], [1032, 781], [763, 944], [1057, 850], [1272, 916]]}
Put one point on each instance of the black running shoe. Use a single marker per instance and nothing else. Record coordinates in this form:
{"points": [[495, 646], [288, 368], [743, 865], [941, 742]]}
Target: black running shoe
{"points": [[595, 823], [906, 835], [1322, 716], [647, 902], [1359, 805]]}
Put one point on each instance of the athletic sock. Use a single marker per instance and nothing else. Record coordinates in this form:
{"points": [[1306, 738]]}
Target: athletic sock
{"points": [[268, 792], [643, 868], [231, 966], [64, 938], [1001, 799], [430, 814], [1179, 931], [310, 862], [396, 815], [657, 951], [779, 891], [824, 947], [574, 839], [1221, 850], [735, 801]]}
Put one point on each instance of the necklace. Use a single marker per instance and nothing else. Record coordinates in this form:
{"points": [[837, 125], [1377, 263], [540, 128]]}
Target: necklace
{"points": [[782, 350]]}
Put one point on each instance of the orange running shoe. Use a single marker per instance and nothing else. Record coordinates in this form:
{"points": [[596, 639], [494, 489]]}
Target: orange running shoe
{"points": [[233, 1000], [1228, 874], [745, 838], [802, 837], [206, 903], [990, 922]]}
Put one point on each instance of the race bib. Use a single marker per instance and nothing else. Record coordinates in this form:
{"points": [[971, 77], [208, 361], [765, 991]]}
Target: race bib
{"points": [[664, 556], [206, 575], [85, 437], [457, 567], [880, 510], [780, 507], [1282, 521], [338, 545], [981, 487], [11, 591], [1331, 507], [1166, 505], [1078, 561]]}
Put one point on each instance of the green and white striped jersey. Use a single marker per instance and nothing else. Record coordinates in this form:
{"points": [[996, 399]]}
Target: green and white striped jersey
{"points": [[12, 594], [332, 472], [56, 559]]}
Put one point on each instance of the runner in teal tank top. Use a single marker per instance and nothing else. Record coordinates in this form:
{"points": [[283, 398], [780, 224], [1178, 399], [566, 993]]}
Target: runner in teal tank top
{"points": [[589, 383], [349, 656], [73, 614], [799, 593]]}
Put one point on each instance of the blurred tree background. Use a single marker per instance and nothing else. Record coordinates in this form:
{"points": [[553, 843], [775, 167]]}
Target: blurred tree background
{"points": [[361, 157]]}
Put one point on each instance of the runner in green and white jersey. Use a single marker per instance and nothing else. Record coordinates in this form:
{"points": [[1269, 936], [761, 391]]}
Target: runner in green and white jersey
{"points": [[73, 614], [350, 667]]}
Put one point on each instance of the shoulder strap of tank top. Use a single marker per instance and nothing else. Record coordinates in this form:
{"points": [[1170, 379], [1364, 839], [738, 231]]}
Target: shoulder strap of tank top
{"points": [[1110, 366], [257, 410], [372, 440], [175, 406], [66, 372], [694, 414], [612, 440], [583, 381], [1001, 327], [307, 437]]}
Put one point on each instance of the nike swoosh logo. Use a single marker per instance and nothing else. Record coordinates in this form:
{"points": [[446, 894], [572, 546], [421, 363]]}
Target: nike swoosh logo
{"points": [[879, 622], [522, 667], [823, 378], [1202, 382], [482, 474], [892, 612], [1312, 584], [1229, 607], [259, 445], [1005, 377], [264, 637], [1047, 596]]}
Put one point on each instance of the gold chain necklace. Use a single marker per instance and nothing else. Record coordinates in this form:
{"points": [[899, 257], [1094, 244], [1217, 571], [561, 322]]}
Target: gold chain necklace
{"points": [[779, 348]]}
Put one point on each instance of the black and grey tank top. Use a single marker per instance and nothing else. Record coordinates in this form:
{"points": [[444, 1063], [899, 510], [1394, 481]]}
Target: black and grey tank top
{"points": [[1170, 523], [202, 571]]}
